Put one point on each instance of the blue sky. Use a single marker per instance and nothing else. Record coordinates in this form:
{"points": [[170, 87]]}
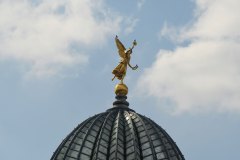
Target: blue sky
{"points": [[56, 59]]}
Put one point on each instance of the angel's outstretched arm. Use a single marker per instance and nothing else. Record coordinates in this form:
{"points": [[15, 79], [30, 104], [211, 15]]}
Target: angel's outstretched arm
{"points": [[133, 68]]}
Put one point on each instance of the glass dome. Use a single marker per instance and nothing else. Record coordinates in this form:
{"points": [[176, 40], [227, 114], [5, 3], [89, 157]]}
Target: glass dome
{"points": [[118, 134]]}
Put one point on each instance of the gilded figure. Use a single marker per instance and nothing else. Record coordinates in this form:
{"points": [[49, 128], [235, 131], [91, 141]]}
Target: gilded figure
{"points": [[125, 55]]}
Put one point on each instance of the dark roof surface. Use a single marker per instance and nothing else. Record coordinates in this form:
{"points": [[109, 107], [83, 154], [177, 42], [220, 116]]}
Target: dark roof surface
{"points": [[118, 134]]}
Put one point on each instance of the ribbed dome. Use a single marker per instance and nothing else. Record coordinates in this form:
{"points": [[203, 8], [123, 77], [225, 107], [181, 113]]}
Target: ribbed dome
{"points": [[118, 134]]}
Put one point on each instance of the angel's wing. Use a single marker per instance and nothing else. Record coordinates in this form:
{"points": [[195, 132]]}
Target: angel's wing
{"points": [[121, 48]]}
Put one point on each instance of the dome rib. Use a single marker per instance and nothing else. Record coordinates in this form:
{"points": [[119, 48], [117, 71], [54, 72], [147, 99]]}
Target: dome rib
{"points": [[103, 141], [117, 140], [153, 155], [134, 140]]}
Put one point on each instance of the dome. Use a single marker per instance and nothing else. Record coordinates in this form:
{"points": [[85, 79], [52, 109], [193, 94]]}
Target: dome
{"points": [[118, 134]]}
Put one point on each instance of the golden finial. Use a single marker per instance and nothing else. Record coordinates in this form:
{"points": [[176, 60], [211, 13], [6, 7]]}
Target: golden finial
{"points": [[121, 69]]}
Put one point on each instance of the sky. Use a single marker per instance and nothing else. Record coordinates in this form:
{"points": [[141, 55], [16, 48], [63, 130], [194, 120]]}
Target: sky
{"points": [[56, 59]]}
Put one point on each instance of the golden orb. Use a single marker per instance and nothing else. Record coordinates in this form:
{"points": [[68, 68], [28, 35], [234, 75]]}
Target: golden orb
{"points": [[121, 89]]}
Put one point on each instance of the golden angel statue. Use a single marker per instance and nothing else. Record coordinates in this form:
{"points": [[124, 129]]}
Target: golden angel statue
{"points": [[121, 69]]}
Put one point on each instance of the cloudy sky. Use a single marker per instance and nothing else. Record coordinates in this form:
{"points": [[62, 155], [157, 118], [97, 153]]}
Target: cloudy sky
{"points": [[56, 59]]}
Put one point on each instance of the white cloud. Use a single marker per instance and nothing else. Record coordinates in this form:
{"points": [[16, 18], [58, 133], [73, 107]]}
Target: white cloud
{"points": [[205, 75], [42, 34], [170, 32]]}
